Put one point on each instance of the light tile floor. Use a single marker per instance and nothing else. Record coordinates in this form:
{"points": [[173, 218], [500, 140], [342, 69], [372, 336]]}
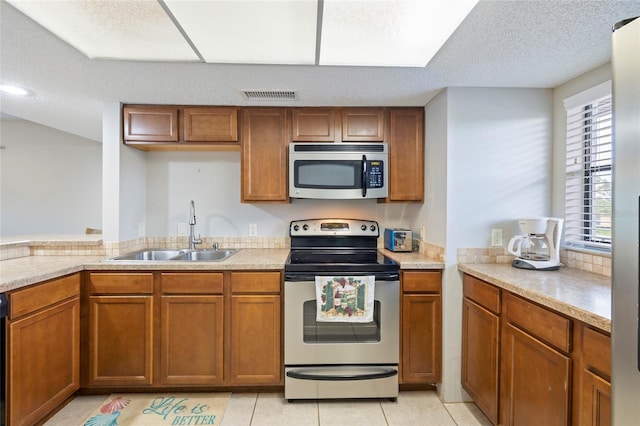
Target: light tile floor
{"points": [[263, 409]]}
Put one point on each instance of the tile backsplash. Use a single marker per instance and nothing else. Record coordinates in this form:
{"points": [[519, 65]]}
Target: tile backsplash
{"points": [[109, 249], [590, 262]]}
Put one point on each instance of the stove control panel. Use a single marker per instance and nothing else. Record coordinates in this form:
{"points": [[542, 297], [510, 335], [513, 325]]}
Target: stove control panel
{"points": [[348, 227]]}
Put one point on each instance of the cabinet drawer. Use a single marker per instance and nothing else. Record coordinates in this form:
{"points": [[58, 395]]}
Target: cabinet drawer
{"points": [[596, 350], [542, 323], [421, 282], [255, 282], [198, 283], [482, 293], [31, 299], [141, 283]]}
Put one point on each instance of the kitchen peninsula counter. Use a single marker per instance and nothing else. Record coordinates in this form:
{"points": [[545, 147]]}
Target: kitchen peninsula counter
{"points": [[23, 271], [575, 293]]}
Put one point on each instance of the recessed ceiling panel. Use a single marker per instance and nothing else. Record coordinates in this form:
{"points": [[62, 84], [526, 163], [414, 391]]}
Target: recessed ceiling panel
{"points": [[388, 32], [250, 31], [129, 30]]}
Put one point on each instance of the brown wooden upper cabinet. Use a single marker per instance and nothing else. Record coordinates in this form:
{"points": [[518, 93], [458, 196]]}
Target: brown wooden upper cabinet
{"points": [[338, 124], [263, 164], [406, 154], [150, 124], [313, 124], [211, 124], [363, 124], [151, 127]]}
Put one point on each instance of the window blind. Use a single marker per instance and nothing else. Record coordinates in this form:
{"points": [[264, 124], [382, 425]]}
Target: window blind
{"points": [[588, 209]]}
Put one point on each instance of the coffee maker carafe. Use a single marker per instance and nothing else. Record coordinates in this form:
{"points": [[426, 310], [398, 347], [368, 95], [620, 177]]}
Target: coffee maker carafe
{"points": [[539, 247]]}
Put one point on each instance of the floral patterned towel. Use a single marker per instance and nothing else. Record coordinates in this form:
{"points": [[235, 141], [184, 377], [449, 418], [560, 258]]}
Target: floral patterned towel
{"points": [[344, 298]]}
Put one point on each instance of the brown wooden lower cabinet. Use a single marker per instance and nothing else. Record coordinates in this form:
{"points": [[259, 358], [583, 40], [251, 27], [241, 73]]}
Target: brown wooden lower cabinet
{"points": [[120, 340], [421, 327], [255, 353], [120, 329], [535, 381], [192, 328], [191, 340], [595, 401], [524, 364], [43, 361], [480, 355], [164, 329], [594, 378]]}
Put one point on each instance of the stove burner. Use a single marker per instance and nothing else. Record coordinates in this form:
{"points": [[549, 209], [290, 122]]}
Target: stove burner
{"points": [[353, 252]]}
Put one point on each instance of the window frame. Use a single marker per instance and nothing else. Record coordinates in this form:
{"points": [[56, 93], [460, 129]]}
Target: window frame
{"points": [[591, 165]]}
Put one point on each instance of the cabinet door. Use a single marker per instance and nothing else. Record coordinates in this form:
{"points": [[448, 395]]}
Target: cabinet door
{"points": [[255, 356], [313, 124], [149, 124], [192, 338], [421, 338], [406, 155], [595, 402], [363, 125], [264, 154], [43, 362], [211, 124], [534, 383], [480, 346], [120, 340]]}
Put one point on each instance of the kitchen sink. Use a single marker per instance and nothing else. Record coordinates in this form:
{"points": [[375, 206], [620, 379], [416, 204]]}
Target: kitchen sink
{"points": [[203, 255], [159, 254]]}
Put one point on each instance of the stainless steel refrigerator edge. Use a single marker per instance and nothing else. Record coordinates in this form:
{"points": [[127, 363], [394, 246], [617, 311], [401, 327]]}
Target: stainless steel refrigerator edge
{"points": [[625, 381]]}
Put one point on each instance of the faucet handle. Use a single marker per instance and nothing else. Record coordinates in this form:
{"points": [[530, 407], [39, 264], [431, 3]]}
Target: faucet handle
{"points": [[215, 246]]}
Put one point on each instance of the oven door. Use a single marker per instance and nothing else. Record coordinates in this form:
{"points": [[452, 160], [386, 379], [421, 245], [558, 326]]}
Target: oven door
{"points": [[309, 342]]}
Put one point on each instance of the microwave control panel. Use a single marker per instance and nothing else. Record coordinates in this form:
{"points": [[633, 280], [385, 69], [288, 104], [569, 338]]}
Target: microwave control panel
{"points": [[375, 174]]}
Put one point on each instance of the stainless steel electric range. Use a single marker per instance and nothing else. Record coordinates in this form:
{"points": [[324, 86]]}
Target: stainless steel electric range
{"points": [[348, 351]]}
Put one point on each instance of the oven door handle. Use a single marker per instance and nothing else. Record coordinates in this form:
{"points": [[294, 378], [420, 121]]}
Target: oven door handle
{"points": [[303, 276], [385, 372]]}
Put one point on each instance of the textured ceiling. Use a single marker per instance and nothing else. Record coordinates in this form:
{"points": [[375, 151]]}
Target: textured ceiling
{"points": [[505, 43]]}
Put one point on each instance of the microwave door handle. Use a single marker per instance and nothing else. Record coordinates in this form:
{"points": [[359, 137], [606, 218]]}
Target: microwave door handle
{"points": [[364, 176]]}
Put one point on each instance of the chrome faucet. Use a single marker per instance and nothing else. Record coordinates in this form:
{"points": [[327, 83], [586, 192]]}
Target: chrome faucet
{"points": [[192, 223]]}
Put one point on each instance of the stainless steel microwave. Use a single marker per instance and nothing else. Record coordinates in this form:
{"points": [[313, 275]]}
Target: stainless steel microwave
{"points": [[338, 170]]}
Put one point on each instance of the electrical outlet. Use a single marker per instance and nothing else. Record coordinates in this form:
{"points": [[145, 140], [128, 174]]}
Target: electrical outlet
{"points": [[496, 237], [141, 229], [253, 230], [183, 231], [423, 234]]}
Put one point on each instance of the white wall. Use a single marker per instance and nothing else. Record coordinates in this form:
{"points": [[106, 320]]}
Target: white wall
{"points": [[124, 202], [50, 181], [491, 154], [433, 215], [212, 180]]}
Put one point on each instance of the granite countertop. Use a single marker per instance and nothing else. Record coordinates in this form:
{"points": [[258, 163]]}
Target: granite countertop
{"points": [[23, 271], [413, 260], [578, 294]]}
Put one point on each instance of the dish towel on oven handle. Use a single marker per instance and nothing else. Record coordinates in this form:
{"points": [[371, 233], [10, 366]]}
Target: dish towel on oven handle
{"points": [[345, 298]]}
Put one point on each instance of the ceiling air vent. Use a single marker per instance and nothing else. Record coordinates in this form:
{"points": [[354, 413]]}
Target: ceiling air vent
{"points": [[270, 95]]}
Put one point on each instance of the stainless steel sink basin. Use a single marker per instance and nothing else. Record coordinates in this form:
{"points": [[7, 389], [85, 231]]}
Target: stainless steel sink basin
{"points": [[157, 254], [202, 255], [206, 255]]}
